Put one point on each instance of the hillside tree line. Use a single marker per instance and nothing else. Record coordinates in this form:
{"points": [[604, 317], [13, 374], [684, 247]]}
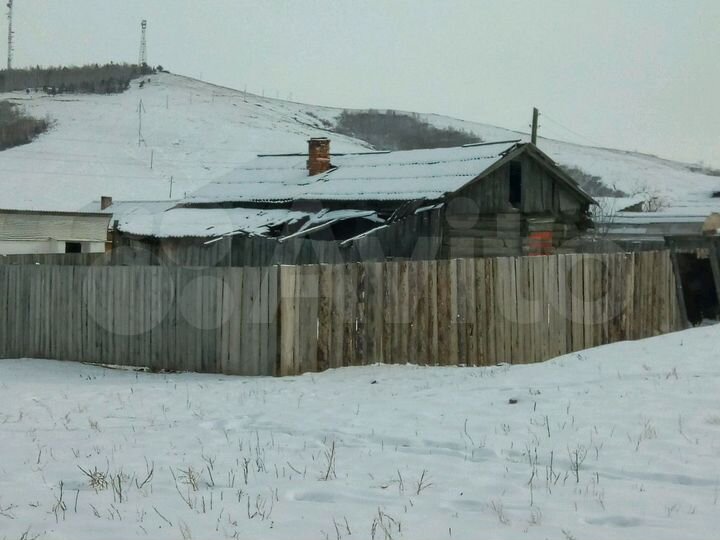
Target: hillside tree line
{"points": [[392, 130], [593, 185], [18, 128], [90, 79]]}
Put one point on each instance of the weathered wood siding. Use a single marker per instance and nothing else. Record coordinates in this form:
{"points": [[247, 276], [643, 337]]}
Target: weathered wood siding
{"points": [[481, 222], [542, 193], [189, 319], [292, 319], [471, 311]]}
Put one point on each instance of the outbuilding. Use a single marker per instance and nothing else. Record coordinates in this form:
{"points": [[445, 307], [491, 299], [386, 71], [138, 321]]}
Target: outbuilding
{"points": [[40, 232], [489, 199]]}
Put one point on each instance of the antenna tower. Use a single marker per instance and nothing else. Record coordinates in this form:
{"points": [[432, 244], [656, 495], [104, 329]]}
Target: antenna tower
{"points": [[143, 44], [10, 35]]}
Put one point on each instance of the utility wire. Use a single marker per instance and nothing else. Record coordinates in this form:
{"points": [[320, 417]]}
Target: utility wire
{"points": [[87, 175], [128, 142], [545, 115], [130, 162]]}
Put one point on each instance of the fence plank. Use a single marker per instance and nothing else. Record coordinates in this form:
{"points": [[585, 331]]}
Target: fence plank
{"points": [[287, 320], [434, 346], [375, 318], [444, 317], [350, 316], [307, 290], [490, 296], [455, 330], [324, 349], [481, 328], [564, 306], [468, 291], [403, 355]]}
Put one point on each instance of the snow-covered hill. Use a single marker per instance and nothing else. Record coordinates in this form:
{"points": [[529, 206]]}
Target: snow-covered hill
{"points": [[194, 131]]}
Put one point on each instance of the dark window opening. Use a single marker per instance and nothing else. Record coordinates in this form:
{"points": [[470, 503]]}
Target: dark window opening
{"points": [[696, 276], [515, 183], [73, 247]]}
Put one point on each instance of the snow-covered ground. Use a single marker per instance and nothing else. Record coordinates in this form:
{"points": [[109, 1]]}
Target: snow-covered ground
{"points": [[195, 132], [376, 452]]}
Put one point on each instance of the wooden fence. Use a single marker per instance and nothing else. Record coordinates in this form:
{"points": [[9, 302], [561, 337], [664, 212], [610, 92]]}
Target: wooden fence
{"points": [[292, 319], [57, 259], [471, 311], [218, 320]]}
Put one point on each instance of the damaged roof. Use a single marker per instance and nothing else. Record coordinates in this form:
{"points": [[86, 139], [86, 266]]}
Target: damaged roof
{"points": [[277, 180], [216, 222]]}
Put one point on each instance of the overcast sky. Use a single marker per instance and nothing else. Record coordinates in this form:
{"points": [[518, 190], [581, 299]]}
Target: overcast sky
{"points": [[633, 74]]}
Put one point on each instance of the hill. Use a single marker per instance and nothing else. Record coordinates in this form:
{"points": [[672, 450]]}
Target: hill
{"points": [[194, 131]]}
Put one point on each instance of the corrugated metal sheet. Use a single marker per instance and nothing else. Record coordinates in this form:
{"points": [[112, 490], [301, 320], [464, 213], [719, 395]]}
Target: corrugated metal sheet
{"points": [[408, 175], [42, 226]]}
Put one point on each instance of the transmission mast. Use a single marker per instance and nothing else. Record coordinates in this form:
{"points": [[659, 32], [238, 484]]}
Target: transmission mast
{"points": [[10, 35], [143, 43]]}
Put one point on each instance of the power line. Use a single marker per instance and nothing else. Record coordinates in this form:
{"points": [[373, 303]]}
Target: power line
{"points": [[44, 155], [141, 110], [129, 163], [53, 138], [87, 175], [545, 115]]}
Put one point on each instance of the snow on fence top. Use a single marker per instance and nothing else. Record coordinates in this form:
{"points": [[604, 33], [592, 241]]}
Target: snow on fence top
{"points": [[403, 175]]}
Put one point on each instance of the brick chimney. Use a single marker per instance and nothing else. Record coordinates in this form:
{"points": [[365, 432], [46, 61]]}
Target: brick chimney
{"points": [[318, 155], [105, 201]]}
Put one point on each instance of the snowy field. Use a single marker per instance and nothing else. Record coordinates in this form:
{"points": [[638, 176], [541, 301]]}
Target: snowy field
{"points": [[618, 442]]}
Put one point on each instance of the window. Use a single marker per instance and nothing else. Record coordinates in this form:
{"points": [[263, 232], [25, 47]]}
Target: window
{"points": [[515, 183], [73, 247]]}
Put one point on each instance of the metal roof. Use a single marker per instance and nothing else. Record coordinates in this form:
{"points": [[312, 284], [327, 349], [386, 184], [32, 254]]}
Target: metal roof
{"points": [[401, 176]]}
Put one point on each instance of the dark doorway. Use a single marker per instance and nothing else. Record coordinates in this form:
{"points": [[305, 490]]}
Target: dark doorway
{"points": [[701, 300], [73, 247], [515, 183]]}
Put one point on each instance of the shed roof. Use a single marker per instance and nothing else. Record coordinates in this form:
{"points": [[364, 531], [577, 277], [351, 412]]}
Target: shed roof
{"points": [[215, 222], [121, 208], [399, 176], [686, 211]]}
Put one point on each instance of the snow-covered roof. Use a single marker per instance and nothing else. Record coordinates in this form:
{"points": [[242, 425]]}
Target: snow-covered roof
{"points": [[685, 211], [612, 205], [216, 222], [403, 175], [700, 208], [122, 209]]}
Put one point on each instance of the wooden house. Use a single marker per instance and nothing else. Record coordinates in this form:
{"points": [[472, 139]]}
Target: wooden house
{"points": [[487, 199]]}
